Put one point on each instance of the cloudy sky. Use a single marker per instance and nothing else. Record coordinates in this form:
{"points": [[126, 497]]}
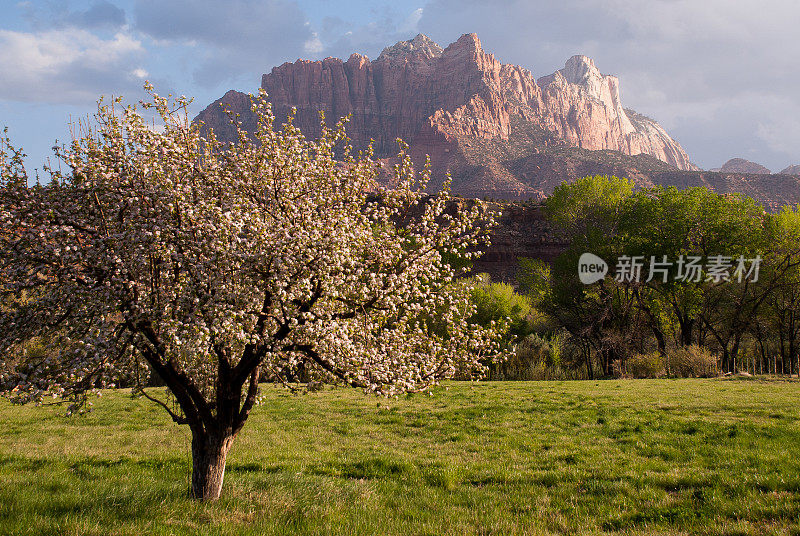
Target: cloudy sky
{"points": [[723, 76]]}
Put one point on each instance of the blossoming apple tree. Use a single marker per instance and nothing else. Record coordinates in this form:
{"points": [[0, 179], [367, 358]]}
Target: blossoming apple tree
{"points": [[216, 266]]}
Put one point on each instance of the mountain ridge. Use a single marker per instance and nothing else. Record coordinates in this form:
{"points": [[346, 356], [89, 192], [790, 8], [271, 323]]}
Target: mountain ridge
{"points": [[416, 89], [497, 130]]}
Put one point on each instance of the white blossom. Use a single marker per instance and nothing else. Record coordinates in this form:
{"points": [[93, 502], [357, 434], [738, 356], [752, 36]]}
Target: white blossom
{"points": [[226, 264]]}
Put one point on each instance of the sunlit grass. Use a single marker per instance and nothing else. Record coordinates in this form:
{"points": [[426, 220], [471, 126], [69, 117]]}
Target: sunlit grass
{"points": [[640, 456]]}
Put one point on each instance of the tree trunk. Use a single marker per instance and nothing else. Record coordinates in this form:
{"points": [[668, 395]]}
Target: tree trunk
{"points": [[725, 359], [662, 343], [687, 328], [762, 352], [588, 357], [737, 339], [209, 453]]}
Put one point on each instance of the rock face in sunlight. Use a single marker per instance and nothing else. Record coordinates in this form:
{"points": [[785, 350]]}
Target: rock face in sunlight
{"points": [[586, 110], [498, 131]]}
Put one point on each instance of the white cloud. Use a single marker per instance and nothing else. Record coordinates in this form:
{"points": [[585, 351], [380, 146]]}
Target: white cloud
{"points": [[313, 45], [66, 65], [412, 21]]}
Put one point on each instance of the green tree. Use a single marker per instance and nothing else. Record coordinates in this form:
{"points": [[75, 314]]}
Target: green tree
{"points": [[603, 216], [783, 304], [590, 212]]}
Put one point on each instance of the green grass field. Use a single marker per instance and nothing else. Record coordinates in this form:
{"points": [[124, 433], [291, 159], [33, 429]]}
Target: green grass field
{"points": [[619, 457]]}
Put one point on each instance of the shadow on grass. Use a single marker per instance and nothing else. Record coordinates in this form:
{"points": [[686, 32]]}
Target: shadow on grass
{"points": [[367, 469], [103, 492]]}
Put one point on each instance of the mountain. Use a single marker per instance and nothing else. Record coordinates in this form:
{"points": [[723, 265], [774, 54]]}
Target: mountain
{"points": [[495, 128], [740, 165], [791, 170]]}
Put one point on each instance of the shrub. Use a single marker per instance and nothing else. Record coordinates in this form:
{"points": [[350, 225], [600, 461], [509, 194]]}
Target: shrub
{"points": [[649, 365], [499, 302], [691, 362], [536, 349], [534, 358]]}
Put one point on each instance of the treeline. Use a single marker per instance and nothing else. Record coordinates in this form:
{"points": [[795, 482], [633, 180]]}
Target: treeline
{"points": [[697, 284]]}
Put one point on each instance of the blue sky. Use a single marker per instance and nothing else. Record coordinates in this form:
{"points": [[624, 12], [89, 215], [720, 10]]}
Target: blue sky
{"points": [[721, 76]]}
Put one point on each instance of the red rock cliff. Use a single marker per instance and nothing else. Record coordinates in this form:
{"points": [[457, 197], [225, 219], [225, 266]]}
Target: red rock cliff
{"points": [[474, 115]]}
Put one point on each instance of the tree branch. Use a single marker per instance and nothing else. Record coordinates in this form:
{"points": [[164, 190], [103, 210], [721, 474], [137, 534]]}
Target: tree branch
{"points": [[249, 401], [308, 350]]}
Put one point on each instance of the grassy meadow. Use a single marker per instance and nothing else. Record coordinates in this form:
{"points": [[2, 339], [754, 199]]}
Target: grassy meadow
{"points": [[613, 457]]}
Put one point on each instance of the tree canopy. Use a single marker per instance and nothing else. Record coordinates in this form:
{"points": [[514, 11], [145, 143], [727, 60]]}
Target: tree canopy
{"points": [[215, 266], [696, 283]]}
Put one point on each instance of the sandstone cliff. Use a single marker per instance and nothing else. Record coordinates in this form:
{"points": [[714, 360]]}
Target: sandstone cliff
{"points": [[596, 119], [496, 129], [434, 98]]}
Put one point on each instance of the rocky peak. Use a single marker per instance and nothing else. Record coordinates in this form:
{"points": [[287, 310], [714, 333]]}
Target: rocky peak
{"points": [[581, 70], [791, 170], [740, 165], [468, 42], [421, 45], [357, 59]]}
